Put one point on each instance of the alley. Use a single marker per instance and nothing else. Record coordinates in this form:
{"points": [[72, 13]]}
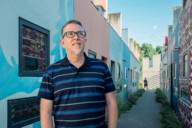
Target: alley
{"points": [[145, 114], [115, 46]]}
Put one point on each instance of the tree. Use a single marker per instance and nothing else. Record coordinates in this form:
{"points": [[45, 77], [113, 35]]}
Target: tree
{"points": [[158, 49], [148, 50]]}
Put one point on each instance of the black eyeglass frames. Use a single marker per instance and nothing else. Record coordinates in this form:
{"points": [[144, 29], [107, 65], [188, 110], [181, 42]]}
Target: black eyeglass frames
{"points": [[71, 34]]}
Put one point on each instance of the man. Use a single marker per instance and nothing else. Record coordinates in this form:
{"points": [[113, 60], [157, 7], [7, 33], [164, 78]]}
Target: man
{"points": [[77, 89], [145, 84]]}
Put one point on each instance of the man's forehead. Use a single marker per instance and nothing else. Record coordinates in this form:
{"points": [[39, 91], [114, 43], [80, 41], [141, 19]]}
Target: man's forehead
{"points": [[73, 26]]}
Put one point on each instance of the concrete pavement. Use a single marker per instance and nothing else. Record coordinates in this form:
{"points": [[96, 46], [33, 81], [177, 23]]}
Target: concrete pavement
{"points": [[145, 114]]}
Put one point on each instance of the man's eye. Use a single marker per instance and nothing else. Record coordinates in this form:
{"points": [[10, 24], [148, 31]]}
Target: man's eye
{"points": [[70, 33], [82, 33]]}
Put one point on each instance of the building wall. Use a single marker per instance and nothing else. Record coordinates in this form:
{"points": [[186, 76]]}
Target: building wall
{"points": [[116, 22], [134, 48], [163, 69], [185, 99], [175, 57], [165, 86], [13, 86], [169, 63], [120, 53], [134, 72], [95, 25], [125, 70], [126, 63], [125, 35], [115, 48]]}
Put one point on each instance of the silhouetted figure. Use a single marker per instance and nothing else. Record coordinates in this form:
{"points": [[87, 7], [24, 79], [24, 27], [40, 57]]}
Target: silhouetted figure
{"points": [[145, 84]]}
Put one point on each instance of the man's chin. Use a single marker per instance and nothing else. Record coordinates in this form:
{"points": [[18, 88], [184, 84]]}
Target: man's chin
{"points": [[77, 53]]}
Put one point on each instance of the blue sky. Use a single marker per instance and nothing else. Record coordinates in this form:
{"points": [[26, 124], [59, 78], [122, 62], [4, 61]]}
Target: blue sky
{"points": [[147, 20]]}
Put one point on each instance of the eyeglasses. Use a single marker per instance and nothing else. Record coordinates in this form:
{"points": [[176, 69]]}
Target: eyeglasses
{"points": [[71, 34]]}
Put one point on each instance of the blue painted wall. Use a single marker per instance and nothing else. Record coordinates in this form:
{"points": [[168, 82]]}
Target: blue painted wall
{"points": [[45, 13], [135, 68], [120, 53], [116, 50], [176, 35], [125, 69]]}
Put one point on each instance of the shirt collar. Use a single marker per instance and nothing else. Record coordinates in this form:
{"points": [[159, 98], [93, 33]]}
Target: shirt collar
{"points": [[66, 61]]}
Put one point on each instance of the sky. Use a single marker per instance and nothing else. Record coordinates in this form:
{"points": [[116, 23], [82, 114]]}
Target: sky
{"points": [[147, 20]]}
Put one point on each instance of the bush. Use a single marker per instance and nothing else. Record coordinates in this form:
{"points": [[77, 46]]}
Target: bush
{"points": [[168, 116]]}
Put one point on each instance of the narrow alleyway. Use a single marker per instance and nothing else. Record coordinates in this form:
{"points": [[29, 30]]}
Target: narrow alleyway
{"points": [[145, 114]]}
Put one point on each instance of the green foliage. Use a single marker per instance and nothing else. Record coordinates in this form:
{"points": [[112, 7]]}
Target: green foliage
{"points": [[132, 99], [160, 97], [168, 116], [158, 49], [148, 50]]}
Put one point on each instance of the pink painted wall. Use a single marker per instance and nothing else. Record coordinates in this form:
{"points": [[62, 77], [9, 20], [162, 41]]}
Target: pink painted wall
{"points": [[95, 26], [102, 3]]}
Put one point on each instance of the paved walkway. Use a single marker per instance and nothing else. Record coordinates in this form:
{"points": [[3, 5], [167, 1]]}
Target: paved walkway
{"points": [[145, 114]]}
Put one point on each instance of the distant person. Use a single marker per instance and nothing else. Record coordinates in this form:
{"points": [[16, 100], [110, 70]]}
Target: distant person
{"points": [[145, 84], [77, 90]]}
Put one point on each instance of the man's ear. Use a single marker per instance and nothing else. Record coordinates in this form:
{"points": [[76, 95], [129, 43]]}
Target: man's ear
{"points": [[62, 43]]}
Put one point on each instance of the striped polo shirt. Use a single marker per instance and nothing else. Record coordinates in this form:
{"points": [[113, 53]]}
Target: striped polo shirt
{"points": [[78, 94]]}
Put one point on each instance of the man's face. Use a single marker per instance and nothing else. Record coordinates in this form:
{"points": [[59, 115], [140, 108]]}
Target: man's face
{"points": [[74, 38]]}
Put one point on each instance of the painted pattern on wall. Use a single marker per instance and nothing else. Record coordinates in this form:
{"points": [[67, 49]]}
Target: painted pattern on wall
{"points": [[46, 13], [10, 83]]}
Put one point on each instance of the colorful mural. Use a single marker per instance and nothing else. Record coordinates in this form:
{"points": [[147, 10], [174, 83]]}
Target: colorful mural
{"points": [[13, 86]]}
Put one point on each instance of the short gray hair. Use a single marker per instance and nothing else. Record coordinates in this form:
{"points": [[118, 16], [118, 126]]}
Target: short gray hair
{"points": [[73, 21]]}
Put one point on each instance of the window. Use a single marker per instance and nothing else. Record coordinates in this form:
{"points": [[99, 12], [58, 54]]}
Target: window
{"points": [[22, 111], [185, 65], [131, 76], [113, 69], [169, 71], [118, 77], [91, 54], [185, 93], [119, 71], [164, 76], [150, 63], [126, 73], [184, 2], [33, 49], [174, 70], [175, 66]]}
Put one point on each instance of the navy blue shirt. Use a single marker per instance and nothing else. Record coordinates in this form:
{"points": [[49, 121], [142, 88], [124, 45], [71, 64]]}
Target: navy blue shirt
{"points": [[78, 94]]}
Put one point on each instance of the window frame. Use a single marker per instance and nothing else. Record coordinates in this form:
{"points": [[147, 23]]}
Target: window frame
{"points": [[22, 72], [113, 71], [150, 62], [184, 93], [185, 65]]}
